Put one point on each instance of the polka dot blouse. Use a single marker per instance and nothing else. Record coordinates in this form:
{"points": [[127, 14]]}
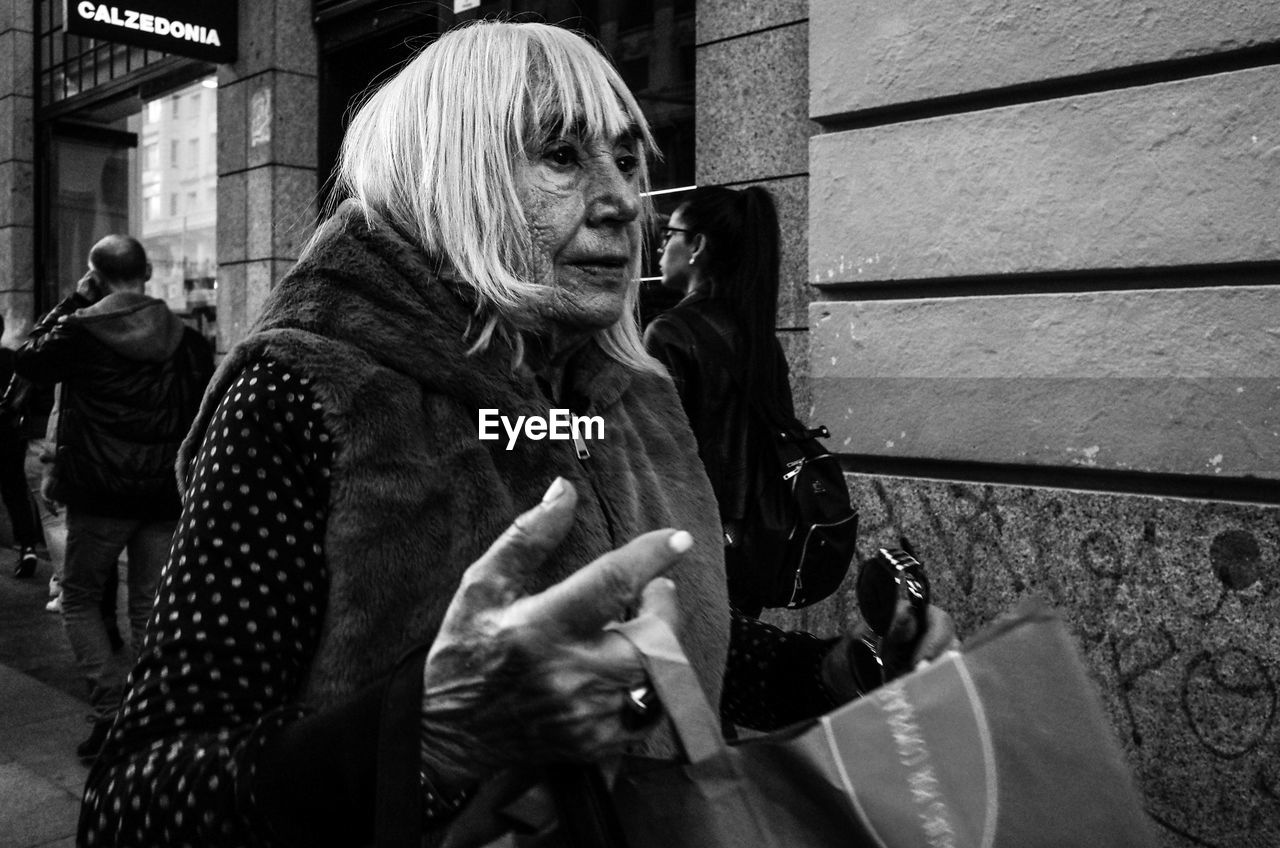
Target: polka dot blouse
{"points": [[210, 747]]}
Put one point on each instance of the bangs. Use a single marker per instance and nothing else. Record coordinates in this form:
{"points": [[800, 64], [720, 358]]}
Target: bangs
{"points": [[573, 89]]}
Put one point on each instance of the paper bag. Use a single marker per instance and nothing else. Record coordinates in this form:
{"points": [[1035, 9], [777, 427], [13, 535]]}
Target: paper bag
{"points": [[1004, 745]]}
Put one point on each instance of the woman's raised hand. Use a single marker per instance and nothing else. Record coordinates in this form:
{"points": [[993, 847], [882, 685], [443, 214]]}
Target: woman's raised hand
{"points": [[517, 679]]}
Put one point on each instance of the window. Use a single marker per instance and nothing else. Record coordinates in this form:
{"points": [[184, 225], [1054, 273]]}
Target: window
{"points": [[193, 153], [173, 155], [153, 111], [173, 205], [151, 157], [175, 109], [70, 64], [152, 204]]}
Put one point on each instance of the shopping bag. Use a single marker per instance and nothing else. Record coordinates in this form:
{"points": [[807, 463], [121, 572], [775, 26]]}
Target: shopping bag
{"points": [[1003, 745]]}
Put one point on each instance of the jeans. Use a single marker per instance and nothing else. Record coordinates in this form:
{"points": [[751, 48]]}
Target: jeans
{"points": [[53, 517], [94, 544]]}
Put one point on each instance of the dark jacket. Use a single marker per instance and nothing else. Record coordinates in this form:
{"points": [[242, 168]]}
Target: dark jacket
{"points": [[132, 377], [24, 406], [701, 344]]}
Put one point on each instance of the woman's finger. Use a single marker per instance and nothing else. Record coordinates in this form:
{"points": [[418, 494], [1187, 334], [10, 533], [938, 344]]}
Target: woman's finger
{"points": [[605, 589], [531, 537]]}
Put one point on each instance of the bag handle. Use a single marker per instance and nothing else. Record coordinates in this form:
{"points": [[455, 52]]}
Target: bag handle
{"points": [[697, 725]]}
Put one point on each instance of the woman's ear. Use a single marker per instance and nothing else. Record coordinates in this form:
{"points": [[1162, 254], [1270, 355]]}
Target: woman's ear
{"points": [[698, 249]]}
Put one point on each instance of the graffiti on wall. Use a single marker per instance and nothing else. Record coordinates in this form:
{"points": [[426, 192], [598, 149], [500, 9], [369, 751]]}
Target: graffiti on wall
{"points": [[1176, 605]]}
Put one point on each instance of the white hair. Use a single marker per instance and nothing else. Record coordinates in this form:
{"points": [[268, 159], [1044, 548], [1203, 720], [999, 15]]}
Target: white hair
{"points": [[433, 151]]}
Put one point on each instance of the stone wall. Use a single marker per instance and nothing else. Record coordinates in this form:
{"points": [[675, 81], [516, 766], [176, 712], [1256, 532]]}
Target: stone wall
{"points": [[17, 169], [753, 128], [267, 187], [1043, 248]]}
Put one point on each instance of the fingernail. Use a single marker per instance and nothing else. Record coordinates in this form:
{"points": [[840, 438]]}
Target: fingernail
{"points": [[680, 541], [554, 491]]}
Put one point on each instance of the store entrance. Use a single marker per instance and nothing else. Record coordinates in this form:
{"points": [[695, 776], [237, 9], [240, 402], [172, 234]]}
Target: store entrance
{"points": [[146, 168], [89, 169]]}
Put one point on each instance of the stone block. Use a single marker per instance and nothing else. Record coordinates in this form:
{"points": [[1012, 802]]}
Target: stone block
{"points": [[233, 116], [752, 120], [16, 197], [262, 276], [296, 47], [720, 19], [233, 209], [258, 23], [276, 35], [295, 118], [16, 61], [1180, 173], [795, 346], [16, 134], [16, 14], [291, 139], [295, 219], [1176, 607], [17, 254], [281, 211], [260, 213], [865, 54], [1179, 381], [232, 284], [17, 301]]}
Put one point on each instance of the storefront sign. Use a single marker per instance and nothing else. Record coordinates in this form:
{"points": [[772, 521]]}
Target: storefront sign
{"points": [[204, 30], [464, 5]]}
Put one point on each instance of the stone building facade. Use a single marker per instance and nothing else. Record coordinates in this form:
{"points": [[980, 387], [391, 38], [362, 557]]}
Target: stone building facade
{"points": [[1043, 325], [1031, 280]]}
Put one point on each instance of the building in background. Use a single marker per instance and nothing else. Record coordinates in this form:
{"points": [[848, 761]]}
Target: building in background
{"points": [[1031, 282], [107, 137]]}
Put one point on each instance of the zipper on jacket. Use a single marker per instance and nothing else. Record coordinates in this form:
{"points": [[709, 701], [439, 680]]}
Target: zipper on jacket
{"points": [[580, 449]]}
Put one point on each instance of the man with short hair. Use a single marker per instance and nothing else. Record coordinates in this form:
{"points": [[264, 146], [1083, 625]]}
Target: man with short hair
{"points": [[132, 378]]}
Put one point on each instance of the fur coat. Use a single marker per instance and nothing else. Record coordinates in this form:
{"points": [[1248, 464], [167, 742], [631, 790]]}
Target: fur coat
{"points": [[416, 496]]}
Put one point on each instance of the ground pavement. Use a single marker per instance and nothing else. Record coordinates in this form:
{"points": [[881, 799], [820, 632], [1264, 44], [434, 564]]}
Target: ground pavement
{"points": [[42, 710]]}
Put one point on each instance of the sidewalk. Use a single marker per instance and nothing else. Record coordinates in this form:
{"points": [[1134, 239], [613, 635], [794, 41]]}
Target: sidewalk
{"points": [[42, 710]]}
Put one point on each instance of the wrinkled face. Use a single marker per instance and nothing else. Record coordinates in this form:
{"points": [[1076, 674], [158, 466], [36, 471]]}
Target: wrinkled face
{"points": [[675, 249], [581, 198]]}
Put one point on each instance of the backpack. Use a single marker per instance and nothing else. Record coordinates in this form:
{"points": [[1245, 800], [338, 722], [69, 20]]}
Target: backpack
{"points": [[800, 529]]}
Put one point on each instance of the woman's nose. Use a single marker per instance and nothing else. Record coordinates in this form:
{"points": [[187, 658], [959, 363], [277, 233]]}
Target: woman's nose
{"points": [[613, 195]]}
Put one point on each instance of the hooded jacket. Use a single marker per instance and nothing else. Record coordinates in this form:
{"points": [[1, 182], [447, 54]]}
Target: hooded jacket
{"points": [[132, 377], [416, 495]]}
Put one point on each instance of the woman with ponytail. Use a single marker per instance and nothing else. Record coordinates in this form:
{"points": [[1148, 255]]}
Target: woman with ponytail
{"points": [[720, 248]]}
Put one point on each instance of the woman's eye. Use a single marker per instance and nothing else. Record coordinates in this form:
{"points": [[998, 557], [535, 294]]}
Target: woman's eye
{"points": [[563, 155], [628, 163]]}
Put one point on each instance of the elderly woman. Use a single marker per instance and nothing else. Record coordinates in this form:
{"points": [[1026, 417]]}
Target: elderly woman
{"points": [[341, 478]]}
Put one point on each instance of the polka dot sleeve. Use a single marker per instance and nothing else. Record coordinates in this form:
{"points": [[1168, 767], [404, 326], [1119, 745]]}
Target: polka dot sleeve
{"points": [[773, 677], [234, 627]]}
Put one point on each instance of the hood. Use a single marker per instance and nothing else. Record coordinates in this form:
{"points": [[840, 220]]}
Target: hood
{"points": [[133, 325]]}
